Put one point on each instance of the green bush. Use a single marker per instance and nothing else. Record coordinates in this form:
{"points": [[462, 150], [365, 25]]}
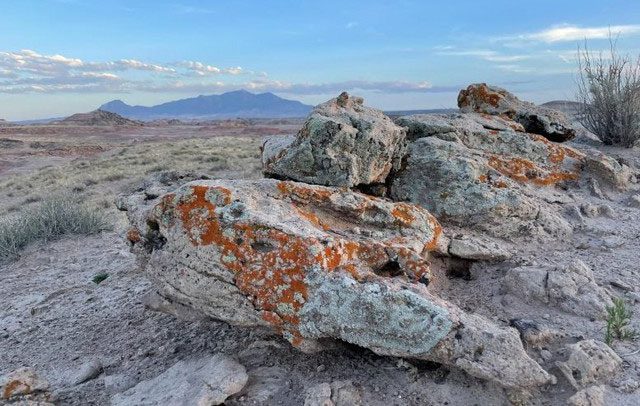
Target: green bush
{"points": [[50, 219]]}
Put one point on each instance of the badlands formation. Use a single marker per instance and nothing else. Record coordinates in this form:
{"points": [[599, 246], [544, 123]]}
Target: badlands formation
{"points": [[370, 232]]}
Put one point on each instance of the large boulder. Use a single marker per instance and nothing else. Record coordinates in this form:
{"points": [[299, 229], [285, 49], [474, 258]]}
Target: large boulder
{"points": [[470, 169], [342, 143], [316, 263], [482, 98]]}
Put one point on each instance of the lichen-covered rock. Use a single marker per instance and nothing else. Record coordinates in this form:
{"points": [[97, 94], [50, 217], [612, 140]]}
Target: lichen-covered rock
{"points": [[484, 171], [315, 263], [203, 381], [590, 362], [342, 143], [482, 98], [24, 383], [572, 288]]}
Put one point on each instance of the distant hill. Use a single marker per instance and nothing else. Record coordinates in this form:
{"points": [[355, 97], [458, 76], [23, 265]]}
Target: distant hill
{"points": [[98, 118], [4, 123], [568, 107], [234, 104]]}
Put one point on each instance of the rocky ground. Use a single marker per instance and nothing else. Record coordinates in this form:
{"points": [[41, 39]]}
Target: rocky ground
{"points": [[91, 342]]}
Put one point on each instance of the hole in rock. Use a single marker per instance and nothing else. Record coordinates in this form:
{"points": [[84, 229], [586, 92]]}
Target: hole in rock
{"points": [[155, 240], [458, 268], [390, 269], [262, 246]]}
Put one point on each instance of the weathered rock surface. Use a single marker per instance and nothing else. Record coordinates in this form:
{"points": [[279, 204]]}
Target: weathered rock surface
{"points": [[342, 143], [572, 288], [484, 171], [591, 396], [23, 383], [316, 263], [590, 362], [338, 393], [477, 248], [205, 381], [482, 98]]}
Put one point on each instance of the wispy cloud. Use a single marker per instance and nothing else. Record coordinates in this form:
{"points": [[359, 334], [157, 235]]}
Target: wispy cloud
{"points": [[28, 71], [566, 33], [487, 55]]}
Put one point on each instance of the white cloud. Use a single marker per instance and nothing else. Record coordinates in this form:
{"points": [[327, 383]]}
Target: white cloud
{"points": [[487, 55], [564, 33]]}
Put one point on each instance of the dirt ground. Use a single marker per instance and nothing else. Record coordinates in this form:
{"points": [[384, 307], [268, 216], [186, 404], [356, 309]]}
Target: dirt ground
{"points": [[55, 318]]}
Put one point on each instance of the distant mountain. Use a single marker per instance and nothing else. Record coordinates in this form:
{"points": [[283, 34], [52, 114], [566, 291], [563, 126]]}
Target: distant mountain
{"points": [[234, 104], [568, 107], [97, 118]]}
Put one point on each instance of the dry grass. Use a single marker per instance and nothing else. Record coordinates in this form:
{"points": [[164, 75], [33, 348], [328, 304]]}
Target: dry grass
{"points": [[50, 219], [100, 178]]}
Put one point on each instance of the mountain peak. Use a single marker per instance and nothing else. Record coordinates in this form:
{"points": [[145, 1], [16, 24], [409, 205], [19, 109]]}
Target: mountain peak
{"points": [[239, 103]]}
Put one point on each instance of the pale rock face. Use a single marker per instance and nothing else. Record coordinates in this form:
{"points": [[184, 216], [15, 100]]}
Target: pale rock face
{"points": [[314, 263], [590, 362], [482, 98], [483, 171], [572, 288], [201, 382], [342, 143], [591, 396]]}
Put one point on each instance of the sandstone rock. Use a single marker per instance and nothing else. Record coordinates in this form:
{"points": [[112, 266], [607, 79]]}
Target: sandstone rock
{"points": [[342, 143], [319, 395], [591, 396], [22, 382], [492, 176], [205, 381], [493, 100], [338, 393], [572, 288], [320, 263], [87, 371], [590, 362], [478, 249], [607, 170]]}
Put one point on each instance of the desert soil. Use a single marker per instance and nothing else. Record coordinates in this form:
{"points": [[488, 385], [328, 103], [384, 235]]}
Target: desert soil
{"points": [[55, 318]]}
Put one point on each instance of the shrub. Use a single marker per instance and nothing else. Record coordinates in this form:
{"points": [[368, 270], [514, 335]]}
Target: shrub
{"points": [[618, 319], [609, 95], [52, 218]]}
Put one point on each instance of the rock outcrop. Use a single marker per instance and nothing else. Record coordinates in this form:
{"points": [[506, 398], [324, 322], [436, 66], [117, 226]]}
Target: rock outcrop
{"points": [[481, 98], [206, 381], [321, 263], [342, 143], [590, 362], [484, 171]]}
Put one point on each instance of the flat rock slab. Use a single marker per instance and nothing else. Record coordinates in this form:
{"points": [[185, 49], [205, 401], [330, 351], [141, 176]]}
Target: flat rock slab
{"points": [[204, 381]]}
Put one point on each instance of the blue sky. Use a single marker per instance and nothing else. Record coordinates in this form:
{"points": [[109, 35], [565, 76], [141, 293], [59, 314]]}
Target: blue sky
{"points": [[59, 57]]}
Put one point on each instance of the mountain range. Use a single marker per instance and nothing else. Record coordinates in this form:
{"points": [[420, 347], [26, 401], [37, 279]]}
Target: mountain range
{"points": [[239, 103]]}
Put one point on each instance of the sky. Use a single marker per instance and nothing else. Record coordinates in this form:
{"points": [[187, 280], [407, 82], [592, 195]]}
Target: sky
{"points": [[59, 57]]}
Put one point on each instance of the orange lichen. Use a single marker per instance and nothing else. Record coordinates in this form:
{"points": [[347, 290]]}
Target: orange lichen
{"points": [[15, 387], [310, 194], [479, 93], [523, 170], [403, 212], [133, 235]]}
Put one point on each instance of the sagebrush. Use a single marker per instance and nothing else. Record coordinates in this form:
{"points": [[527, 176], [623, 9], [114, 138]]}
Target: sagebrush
{"points": [[609, 95], [49, 219]]}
